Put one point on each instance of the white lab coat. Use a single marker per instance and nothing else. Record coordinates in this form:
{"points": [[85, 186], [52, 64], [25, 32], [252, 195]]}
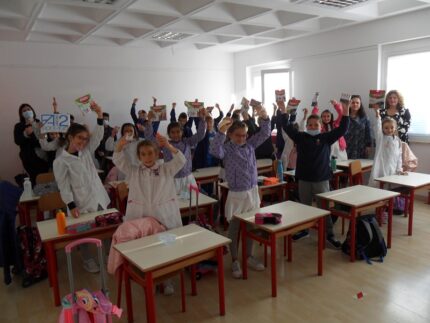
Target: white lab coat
{"points": [[388, 154], [130, 151], [152, 190], [77, 176], [337, 152], [288, 160]]}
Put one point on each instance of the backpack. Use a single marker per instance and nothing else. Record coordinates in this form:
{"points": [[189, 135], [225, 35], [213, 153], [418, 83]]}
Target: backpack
{"points": [[33, 255], [369, 240]]}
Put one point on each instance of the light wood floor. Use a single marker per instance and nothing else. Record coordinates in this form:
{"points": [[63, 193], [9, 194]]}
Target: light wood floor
{"points": [[397, 290]]}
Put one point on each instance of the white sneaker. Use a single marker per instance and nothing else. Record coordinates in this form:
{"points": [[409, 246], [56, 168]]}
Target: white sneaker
{"points": [[91, 266], [236, 270], [168, 288], [255, 264]]}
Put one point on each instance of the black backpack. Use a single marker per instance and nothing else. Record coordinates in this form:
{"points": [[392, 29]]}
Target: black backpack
{"points": [[369, 240]]}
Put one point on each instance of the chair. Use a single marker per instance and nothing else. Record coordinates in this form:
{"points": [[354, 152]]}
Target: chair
{"points": [[49, 202], [45, 178], [355, 173], [122, 195]]}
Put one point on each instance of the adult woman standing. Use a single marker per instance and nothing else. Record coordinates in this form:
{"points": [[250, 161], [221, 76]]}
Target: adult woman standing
{"points": [[358, 138], [395, 108], [26, 136]]}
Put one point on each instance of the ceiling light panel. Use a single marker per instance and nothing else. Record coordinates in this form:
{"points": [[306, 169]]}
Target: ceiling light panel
{"points": [[169, 35]]}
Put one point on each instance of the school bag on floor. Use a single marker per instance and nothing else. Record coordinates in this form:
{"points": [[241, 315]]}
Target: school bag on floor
{"points": [[33, 255], [369, 241]]}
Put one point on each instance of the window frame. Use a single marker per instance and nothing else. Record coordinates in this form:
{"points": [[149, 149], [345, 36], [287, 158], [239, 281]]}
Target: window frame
{"points": [[401, 49], [274, 71]]}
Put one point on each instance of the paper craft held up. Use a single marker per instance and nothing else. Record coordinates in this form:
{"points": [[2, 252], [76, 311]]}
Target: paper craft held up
{"points": [[54, 122], [280, 95], [345, 98], [376, 97], [160, 112], [84, 103], [254, 103], [293, 104], [193, 108]]}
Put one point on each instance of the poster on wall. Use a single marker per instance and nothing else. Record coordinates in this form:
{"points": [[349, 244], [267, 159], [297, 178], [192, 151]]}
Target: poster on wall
{"points": [[84, 103], [376, 99], [193, 108], [54, 122]]}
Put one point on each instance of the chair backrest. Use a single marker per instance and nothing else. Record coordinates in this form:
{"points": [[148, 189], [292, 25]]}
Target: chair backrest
{"points": [[355, 173], [45, 178], [50, 202], [122, 194]]}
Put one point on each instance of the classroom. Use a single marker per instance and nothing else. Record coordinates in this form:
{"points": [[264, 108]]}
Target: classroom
{"points": [[214, 161]]}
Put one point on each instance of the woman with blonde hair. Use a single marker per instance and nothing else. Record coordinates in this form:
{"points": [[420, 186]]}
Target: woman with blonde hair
{"points": [[395, 108]]}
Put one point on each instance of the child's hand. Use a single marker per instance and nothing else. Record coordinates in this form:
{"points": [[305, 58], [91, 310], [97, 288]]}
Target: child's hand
{"points": [[154, 101], [305, 112], [75, 212], [173, 105], [161, 140], [281, 106], [262, 113], [54, 105], [225, 124], [28, 130], [217, 106], [135, 100], [333, 102], [97, 109], [402, 173], [231, 108]]}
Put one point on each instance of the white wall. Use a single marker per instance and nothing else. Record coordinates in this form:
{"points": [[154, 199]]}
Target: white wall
{"points": [[34, 73], [343, 60]]}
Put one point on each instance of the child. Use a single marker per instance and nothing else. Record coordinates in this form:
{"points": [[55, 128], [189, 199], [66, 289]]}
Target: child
{"points": [[151, 187], [313, 161], [338, 149], [183, 121], [184, 178], [141, 118], [80, 186], [240, 164], [388, 152]]}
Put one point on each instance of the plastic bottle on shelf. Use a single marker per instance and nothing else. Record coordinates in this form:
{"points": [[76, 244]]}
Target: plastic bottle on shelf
{"points": [[61, 222], [28, 190]]}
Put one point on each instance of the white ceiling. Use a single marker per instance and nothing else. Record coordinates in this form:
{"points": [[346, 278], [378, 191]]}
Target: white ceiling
{"points": [[230, 25]]}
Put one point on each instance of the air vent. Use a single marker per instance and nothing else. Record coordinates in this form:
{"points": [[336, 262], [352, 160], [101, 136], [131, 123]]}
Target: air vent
{"points": [[338, 3], [168, 35]]}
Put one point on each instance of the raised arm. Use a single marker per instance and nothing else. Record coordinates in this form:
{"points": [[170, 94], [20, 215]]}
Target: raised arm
{"points": [[178, 160], [63, 182], [173, 113], [218, 119], [201, 130], [119, 159], [338, 107], [97, 135], [261, 136], [133, 111]]}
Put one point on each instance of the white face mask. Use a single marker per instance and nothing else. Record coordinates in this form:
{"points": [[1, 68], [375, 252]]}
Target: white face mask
{"points": [[28, 114], [313, 132]]}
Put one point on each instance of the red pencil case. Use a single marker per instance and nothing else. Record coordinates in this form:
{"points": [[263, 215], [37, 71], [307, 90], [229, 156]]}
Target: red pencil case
{"points": [[268, 218], [108, 219]]}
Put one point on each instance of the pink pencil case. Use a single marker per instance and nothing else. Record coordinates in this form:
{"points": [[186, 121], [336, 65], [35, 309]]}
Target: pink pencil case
{"points": [[268, 218]]}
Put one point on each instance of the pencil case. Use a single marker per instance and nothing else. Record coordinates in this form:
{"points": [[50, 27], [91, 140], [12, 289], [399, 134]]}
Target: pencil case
{"points": [[80, 227], [270, 181], [268, 218], [108, 219]]}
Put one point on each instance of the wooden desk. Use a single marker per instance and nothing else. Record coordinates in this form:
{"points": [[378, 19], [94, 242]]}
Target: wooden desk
{"points": [[25, 204], [366, 164], [208, 175], [155, 259], [411, 183], [206, 206], [295, 217], [265, 166], [53, 241], [359, 198]]}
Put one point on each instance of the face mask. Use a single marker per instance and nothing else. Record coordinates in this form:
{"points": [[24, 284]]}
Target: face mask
{"points": [[106, 122], [28, 114], [313, 132]]}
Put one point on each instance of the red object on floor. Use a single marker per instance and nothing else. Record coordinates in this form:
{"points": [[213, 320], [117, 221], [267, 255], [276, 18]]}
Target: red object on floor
{"points": [[360, 295]]}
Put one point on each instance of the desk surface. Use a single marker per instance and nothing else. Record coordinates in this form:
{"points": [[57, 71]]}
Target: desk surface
{"points": [[358, 195], [263, 163], [412, 180], [149, 253], [365, 163], [292, 172], [184, 204], [48, 228], [206, 172], [225, 185], [293, 214]]}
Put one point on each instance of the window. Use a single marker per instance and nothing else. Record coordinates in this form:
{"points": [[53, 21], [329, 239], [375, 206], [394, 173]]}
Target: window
{"points": [[409, 75], [274, 80]]}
